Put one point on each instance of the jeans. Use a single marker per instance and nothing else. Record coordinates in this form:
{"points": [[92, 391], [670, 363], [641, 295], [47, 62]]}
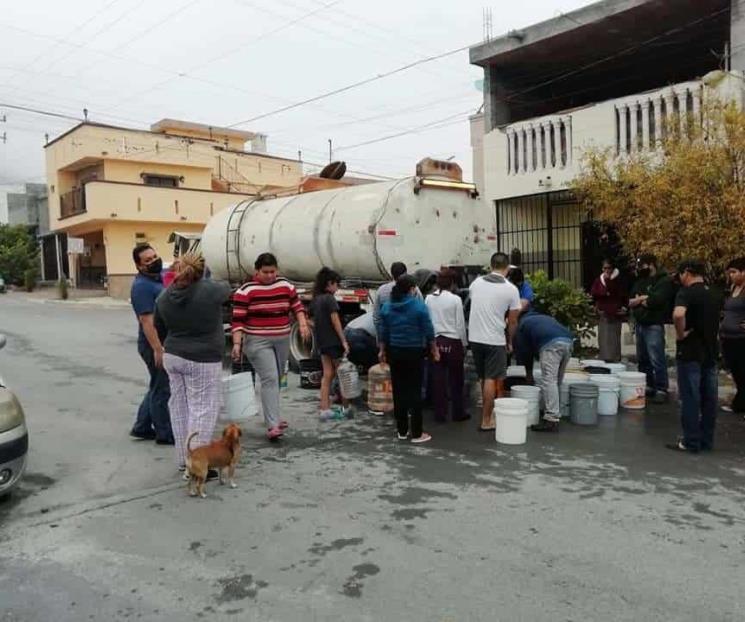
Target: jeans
{"points": [[153, 412], [554, 360], [650, 355], [407, 368], [734, 357], [698, 391], [448, 373]]}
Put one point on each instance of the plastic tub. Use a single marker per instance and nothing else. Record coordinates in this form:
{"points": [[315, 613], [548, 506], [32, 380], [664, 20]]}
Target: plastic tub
{"points": [[569, 379], [532, 395], [240, 402], [616, 368], [633, 390], [583, 398], [516, 371], [511, 415], [610, 387], [592, 363]]}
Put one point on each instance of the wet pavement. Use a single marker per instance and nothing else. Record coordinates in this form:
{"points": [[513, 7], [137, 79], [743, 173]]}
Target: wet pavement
{"points": [[342, 522]]}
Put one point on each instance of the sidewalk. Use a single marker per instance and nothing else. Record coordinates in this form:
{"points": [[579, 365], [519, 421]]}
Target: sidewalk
{"points": [[98, 298]]}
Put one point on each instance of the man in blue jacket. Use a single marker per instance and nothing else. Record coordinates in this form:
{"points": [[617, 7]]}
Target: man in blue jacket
{"points": [[541, 337]]}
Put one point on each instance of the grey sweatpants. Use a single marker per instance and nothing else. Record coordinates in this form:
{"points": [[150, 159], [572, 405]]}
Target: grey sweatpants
{"points": [[268, 356], [554, 359]]}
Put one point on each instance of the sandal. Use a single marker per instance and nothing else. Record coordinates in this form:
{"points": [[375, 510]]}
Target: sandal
{"points": [[422, 439]]}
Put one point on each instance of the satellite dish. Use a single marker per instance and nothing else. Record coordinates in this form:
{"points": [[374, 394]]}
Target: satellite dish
{"points": [[334, 170]]}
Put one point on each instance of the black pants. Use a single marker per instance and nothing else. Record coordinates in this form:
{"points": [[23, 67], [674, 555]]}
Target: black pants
{"points": [[734, 356], [406, 376]]}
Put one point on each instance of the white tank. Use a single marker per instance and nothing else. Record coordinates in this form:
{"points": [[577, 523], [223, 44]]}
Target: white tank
{"points": [[357, 230]]}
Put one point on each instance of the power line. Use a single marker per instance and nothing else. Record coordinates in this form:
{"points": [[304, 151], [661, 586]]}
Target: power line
{"points": [[354, 85], [45, 113], [431, 125]]}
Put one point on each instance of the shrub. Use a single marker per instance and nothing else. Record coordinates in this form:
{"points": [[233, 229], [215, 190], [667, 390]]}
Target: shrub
{"points": [[570, 306], [29, 279], [63, 289]]}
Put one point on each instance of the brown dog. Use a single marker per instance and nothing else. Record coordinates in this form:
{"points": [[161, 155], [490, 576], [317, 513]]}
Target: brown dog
{"points": [[221, 454]]}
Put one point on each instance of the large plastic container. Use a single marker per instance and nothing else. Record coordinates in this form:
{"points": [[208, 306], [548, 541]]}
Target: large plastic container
{"points": [[511, 415], [633, 390], [532, 395], [569, 379], [240, 394], [516, 371], [583, 399], [379, 389], [616, 368], [609, 386], [349, 380]]}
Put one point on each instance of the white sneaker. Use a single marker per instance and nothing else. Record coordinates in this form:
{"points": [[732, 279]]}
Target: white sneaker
{"points": [[402, 437], [424, 438]]}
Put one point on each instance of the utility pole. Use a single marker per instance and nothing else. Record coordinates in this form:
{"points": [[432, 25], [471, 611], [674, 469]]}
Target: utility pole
{"points": [[331, 151]]}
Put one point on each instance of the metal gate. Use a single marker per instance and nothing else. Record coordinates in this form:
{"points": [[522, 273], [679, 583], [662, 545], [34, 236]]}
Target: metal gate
{"points": [[547, 231]]}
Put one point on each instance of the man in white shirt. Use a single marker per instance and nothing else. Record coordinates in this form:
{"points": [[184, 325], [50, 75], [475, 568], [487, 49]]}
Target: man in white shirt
{"points": [[446, 311], [493, 298]]}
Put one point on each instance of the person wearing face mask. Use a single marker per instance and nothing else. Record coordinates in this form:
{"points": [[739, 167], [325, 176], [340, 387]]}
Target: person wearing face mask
{"points": [[153, 419], [610, 298], [652, 296]]}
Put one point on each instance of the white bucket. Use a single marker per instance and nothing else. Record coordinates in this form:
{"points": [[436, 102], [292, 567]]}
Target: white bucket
{"points": [[569, 379], [511, 415], [532, 395], [240, 402], [574, 365], [616, 368], [633, 390], [609, 387], [593, 363], [516, 371]]}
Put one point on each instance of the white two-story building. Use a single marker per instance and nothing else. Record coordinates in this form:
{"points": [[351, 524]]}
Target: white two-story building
{"points": [[610, 75]]}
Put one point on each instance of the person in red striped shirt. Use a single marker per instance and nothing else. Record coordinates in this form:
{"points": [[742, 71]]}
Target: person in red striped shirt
{"points": [[262, 310]]}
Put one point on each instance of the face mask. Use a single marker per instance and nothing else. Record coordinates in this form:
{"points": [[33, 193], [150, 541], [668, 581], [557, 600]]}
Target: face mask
{"points": [[156, 267], [644, 272]]}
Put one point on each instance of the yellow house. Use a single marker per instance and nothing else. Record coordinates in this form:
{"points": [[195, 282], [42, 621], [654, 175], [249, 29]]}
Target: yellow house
{"points": [[115, 187]]}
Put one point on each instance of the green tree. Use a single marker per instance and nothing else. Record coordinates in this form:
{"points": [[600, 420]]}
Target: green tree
{"points": [[568, 305], [19, 252], [685, 199]]}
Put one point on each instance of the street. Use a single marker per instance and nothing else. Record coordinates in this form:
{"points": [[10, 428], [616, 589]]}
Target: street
{"points": [[342, 522]]}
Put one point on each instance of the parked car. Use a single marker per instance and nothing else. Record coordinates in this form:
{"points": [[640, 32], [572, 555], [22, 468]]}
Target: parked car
{"points": [[3, 287], [13, 437]]}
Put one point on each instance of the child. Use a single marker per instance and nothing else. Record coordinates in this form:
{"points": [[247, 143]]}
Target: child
{"points": [[328, 335]]}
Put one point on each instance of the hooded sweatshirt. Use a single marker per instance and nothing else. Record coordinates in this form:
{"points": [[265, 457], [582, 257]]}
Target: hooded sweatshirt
{"points": [[193, 317], [406, 324]]}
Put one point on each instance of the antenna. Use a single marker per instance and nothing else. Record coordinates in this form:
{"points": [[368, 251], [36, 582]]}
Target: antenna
{"points": [[486, 15], [4, 137]]}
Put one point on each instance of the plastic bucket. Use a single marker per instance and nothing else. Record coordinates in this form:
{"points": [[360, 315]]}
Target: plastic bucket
{"points": [[583, 400], [610, 387], [616, 368], [569, 379], [311, 373], [592, 363], [516, 371], [511, 415], [633, 390], [240, 402], [532, 395]]}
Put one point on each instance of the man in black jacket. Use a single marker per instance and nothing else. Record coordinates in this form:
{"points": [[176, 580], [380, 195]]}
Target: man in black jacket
{"points": [[651, 303]]}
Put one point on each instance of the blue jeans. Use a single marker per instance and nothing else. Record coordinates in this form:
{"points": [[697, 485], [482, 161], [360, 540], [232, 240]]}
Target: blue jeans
{"points": [[650, 355], [153, 412], [698, 391]]}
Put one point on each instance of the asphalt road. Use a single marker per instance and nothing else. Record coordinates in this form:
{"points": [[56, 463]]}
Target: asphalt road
{"points": [[342, 522]]}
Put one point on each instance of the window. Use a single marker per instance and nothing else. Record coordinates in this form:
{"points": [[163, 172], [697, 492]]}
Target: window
{"points": [[164, 181]]}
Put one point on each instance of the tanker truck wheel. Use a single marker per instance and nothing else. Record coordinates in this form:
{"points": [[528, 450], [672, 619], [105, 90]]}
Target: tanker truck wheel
{"points": [[299, 349]]}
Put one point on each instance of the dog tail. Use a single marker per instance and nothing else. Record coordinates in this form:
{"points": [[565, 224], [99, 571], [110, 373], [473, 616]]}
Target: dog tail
{"points": [[188, 442]]}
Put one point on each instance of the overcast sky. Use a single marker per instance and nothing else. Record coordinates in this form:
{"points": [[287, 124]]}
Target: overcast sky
{"points": [[132, 62]]}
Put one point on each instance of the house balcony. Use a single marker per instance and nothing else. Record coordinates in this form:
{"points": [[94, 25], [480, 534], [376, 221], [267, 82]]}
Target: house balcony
{"points": [[545, 154], [72, 203]]}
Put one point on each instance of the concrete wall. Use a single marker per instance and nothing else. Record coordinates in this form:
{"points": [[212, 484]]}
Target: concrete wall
{"points": [[595, 126], [121, 237]]}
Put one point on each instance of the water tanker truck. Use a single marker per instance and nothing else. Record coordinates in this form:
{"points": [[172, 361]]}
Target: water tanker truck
{"points": [[430, 220]]}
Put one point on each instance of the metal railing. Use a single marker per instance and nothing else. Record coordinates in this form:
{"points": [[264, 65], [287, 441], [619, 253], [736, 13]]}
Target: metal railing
{"points": [[72, 203]]}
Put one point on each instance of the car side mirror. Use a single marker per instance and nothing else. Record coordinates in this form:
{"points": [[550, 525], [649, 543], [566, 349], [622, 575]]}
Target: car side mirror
{"points": [[3, 341]]}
